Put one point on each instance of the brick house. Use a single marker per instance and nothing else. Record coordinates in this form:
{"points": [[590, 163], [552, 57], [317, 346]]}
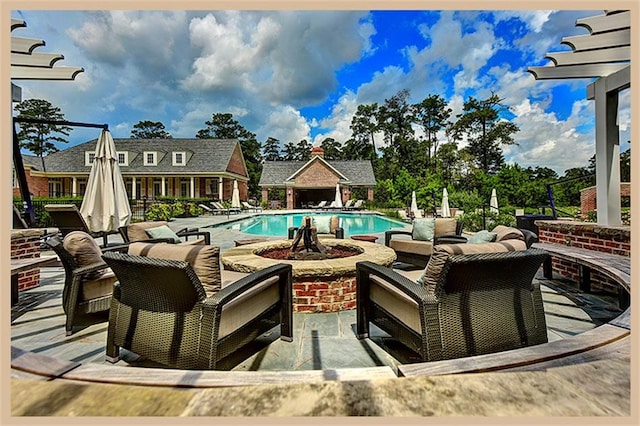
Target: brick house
{"points": [[191, 168], [588, 198], [315, 180]]}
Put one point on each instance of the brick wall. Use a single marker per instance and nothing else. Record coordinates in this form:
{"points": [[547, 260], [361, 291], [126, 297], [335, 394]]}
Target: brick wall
{"points": [[590, 236], [588, 198], [236, 165], [317, 175], [324, 294], [25, 244]]}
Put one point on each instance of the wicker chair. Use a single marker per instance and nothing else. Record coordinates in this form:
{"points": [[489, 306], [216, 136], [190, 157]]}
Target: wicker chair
{"points": [[160, 311], [67, 218], [88, 281], [475, 304]]}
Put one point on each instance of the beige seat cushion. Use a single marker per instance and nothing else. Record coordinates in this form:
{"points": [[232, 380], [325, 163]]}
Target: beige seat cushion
{"points": [[407, 245], [507, 233], [100, 287], [137, 231], [445, 226], [495, 247], [205, 260], [85, 251], [395, 302]]}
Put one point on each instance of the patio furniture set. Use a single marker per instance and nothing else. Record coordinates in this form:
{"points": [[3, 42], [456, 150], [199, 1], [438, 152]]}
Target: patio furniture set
{"points": [[169, 300]]}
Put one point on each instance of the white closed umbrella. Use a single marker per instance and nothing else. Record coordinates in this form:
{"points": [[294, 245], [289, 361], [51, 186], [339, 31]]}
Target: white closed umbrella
{"points": [[338, 201], [445, 210], [493, 202], [235, 196], [414, 204], [105, 206]]}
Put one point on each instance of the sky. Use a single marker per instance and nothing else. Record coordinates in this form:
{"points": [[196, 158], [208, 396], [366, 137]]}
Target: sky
{"points": [[296, 75]]}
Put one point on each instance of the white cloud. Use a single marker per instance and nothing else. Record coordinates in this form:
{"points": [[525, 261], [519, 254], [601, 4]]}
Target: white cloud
{"points": [[534, 19], [339, 121]]}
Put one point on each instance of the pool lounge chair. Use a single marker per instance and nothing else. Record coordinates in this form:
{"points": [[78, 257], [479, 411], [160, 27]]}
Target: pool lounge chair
{"points": [[249, 207], [320, 205], [348, 204], [358, 205], [224, 209]]}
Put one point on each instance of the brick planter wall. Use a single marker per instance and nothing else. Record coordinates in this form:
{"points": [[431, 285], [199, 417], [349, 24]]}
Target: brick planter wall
{"points": [[587, 235], [25, 244], [326, 294]]}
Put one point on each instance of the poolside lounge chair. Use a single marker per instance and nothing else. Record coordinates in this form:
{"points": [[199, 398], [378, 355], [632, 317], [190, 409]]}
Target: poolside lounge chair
{"points": [[358, 205], [159, 231], [320, 205], [162, 310], [224, 209], [466, 304], [249, 207], [206, 208], [88, 281], [348, 204], [403, 216], [67, 218]]}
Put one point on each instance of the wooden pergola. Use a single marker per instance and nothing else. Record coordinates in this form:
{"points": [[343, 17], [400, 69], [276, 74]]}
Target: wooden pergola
{"points": [[605, 54]]}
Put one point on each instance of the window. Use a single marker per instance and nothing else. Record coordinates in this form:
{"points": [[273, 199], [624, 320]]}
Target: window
{"points": [[179, 158], [150, 158], [123, 158], [55, 187], [89, 156]]}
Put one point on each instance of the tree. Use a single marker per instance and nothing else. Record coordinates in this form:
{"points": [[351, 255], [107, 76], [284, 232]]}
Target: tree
{"points": [[364, 125], [303, 150], [224, 126], [357, 149], [39, 138], [271, 149], [332, 149], [432, 115], [149, 130], [485, 131]]}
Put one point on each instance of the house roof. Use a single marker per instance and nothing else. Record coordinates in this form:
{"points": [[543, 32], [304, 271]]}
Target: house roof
{"points": [[357, 173], [202, 156]]}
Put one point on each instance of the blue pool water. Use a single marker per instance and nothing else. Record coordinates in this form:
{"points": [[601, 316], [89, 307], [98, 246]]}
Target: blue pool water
{"points": [[277, 225]]}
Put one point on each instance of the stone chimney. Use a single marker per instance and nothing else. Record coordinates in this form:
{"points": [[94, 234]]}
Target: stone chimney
{"points": [[317, 151]]}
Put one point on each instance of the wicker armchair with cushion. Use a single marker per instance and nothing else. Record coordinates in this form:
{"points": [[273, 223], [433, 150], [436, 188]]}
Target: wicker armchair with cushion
{"points": [[88, 281], [159, 230], [186, 313], [415, 246], [327, 227], [67, 218], [480, 300]]}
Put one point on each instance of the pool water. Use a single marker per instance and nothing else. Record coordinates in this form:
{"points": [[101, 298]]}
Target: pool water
{"points": [[277, 225]]}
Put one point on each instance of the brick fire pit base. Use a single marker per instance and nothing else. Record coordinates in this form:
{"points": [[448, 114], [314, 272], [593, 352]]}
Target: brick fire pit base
{"points": [[318, 285]]}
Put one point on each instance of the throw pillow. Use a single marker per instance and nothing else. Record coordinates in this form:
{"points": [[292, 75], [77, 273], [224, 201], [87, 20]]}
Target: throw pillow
{"points": [[445, 226], [507, 233], [322, 224], [85, 251], [423, 229], [163, 232], [483, 236], [434, 270]]}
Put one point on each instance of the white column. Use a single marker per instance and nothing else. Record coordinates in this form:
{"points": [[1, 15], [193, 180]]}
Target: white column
{"points": [[220, 187], [74, 186], [607, 155], [163, 187], [192, 187], [133, 188]]}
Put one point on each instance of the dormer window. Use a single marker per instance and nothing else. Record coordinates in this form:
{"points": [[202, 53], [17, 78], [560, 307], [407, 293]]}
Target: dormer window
{"points": [[89, 157], [179, 158], [123, 158], [150, 158]]}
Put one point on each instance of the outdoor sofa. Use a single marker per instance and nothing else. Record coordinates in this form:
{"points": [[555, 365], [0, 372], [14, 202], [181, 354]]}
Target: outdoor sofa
{"points": [[471, 299], [159, 231], [173, 305]]}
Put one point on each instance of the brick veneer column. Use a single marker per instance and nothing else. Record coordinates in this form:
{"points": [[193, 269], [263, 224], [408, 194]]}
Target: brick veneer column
{"points": [[25, 244]]}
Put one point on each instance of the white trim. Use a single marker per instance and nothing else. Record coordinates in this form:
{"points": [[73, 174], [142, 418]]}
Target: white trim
{"points": [[125, 154], [89, 156], [174, 156], [308, 163]]}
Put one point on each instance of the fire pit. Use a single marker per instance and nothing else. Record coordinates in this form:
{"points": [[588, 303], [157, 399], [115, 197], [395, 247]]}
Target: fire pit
{"points": [[326, 285]]}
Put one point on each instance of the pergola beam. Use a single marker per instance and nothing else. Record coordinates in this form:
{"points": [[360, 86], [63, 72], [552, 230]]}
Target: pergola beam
{"points": [[575, 71], [36, 73], [605, 23], [616, 54], [45, 60], [25, 45], [598, 41]]}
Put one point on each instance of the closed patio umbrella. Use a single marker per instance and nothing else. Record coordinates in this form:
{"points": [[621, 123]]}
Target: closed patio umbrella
{"points": [[414, 204], [105, 206], [446, 211], [235, 196], [338, 201], [493, 201]]}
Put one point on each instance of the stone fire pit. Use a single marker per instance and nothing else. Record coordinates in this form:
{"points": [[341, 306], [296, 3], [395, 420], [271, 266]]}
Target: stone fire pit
{"points": [[327, 285]]}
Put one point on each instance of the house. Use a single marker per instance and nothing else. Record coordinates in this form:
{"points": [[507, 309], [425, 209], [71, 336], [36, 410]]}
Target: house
{"points": [[189, 168], [315, 180]]}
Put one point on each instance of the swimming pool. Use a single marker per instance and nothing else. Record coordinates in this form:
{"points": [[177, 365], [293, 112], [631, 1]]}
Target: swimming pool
{"points": [[277, 225]]}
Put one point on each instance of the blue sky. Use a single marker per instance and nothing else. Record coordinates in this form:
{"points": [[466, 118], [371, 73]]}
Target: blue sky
{"points": [[297, 75]]}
